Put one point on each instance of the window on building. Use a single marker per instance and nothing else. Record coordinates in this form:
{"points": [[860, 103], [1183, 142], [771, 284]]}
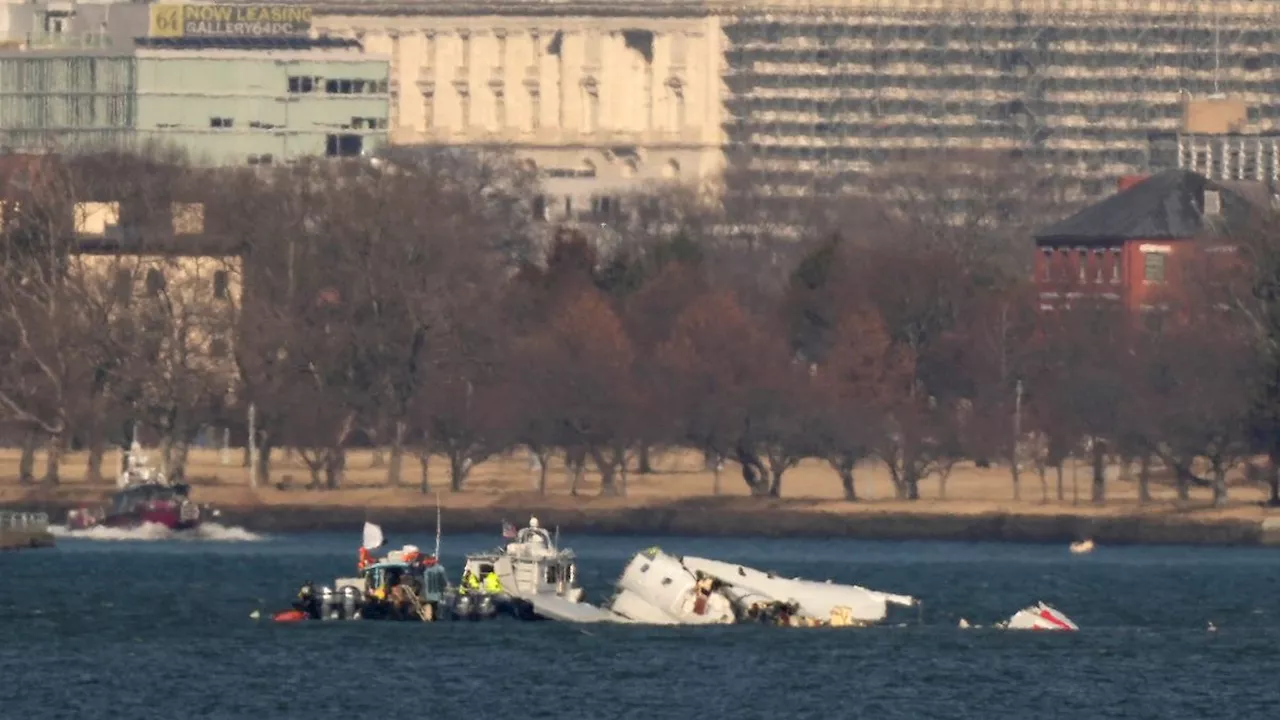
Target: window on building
{"points": [[343, 145], [535, 109], [677, 109], [1082, 258], [1153, 267], [301, 84], [1099, 271], [155, 282], [266, 159], [591, 122], [220, 284], [221, 122], [499, 110], [331, 86], [56, 22], [601, 206], [1117, 266], [429, 109], [122, 287]]}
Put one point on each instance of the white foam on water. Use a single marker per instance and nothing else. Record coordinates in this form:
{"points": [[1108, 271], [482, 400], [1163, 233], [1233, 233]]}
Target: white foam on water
{"points": [[154, 532]]}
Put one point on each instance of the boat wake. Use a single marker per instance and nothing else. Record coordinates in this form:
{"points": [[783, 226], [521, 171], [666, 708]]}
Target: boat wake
{"points": [[154, 532]]}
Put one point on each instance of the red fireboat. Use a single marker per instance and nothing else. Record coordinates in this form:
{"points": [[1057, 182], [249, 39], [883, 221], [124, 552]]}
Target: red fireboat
{"points": [[143, 497]]}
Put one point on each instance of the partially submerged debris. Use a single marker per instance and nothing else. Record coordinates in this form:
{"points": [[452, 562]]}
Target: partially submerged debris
{"points": [[1083, 547], [663, 589], [1040, 617]]}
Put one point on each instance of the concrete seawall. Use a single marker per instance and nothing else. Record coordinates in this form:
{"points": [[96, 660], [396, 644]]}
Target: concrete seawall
{"points": [[676, 521], [747, 518], [24, 530], [24, 540]]}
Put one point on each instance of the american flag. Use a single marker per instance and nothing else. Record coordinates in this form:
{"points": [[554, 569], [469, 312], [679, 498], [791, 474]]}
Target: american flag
{"points": [[508, 530]]}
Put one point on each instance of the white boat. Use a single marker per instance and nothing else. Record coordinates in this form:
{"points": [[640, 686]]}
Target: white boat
{"points": [[536, 577], [1040, 617], [664, 589]]}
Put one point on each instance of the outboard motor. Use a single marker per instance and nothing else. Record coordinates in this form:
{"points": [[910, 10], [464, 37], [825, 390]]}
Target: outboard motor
{"points": [[330, 608], [462, 605], [350, 608]]}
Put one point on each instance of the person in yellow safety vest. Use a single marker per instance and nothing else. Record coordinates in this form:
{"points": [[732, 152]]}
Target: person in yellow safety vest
{"points": [[469, 581], [491, 584]]}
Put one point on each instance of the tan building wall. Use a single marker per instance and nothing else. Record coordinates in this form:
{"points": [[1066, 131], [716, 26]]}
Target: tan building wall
{"points": [[600, 103], [198, 297]]}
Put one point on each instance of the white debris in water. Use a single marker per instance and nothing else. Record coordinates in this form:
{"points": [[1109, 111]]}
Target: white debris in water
{"points": [[153, 532]]}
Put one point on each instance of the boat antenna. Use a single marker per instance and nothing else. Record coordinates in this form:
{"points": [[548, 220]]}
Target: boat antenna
{"points": [[437, 555]]}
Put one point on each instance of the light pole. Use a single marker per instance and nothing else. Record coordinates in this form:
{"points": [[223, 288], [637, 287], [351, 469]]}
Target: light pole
{"points": [[1017, 438]]}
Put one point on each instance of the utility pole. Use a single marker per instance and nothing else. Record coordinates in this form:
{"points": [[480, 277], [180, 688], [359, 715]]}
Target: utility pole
{"points": [[253, 447], [1017, 438]]}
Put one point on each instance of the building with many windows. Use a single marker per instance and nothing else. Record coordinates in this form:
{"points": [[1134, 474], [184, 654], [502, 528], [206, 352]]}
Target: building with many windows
{"points": [[225, 101], [810, 96], [807, 96]]}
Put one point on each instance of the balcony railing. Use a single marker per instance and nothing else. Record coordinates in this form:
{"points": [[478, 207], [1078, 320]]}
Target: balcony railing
{"points": [[24, 522]]}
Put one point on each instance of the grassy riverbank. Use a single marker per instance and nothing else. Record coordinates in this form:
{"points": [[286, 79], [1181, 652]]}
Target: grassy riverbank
{"points": [[678, 498]]}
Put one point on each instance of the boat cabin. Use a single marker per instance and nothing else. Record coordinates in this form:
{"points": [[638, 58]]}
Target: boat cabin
{"points": [[531, 565], [428, 581], [141, 495]]}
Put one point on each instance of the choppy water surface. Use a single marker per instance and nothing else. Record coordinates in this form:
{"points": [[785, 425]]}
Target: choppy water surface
{"points": [[160, 629]]}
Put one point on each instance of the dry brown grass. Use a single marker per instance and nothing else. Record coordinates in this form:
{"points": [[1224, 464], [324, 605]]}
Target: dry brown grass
{"points": [[678, 476]]}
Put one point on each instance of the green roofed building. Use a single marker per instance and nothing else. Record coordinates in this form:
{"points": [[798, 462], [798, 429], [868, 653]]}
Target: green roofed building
{"points": [[225, 101]]}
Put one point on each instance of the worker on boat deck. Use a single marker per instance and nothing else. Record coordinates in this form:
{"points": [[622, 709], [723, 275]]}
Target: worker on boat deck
{"points": [[469, 581], [491, 584], [366, 559], [307, 602]]}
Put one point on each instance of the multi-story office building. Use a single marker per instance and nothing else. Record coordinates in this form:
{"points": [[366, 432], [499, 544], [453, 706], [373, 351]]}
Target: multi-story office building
{"points": [[810, 95], [224, 99]]}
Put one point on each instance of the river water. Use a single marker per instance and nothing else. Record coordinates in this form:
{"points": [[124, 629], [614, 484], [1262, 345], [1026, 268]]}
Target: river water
{"points": [[141, 627]]}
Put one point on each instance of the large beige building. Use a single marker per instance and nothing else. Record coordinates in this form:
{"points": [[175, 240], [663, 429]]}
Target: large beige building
{"points": [[600, 98]]}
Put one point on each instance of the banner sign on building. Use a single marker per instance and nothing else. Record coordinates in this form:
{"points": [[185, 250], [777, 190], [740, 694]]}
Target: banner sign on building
{"points": [[229, 20]]}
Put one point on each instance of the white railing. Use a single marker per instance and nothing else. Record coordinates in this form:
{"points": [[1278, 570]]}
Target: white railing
{"points": [[24, 522]]}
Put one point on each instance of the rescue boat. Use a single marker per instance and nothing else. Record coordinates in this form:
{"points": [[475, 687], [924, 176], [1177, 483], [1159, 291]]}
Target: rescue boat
{"points": [[144, 496], [405, 584], [532, 578]]}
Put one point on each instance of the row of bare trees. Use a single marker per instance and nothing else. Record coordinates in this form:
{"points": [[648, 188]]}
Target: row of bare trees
{"points": [[414, 302]]}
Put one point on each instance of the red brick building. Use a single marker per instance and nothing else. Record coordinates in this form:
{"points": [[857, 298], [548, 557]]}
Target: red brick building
{"points": [[1137, 246]]}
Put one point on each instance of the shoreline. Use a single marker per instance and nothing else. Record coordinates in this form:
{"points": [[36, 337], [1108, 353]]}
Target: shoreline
{"points": [[733, 517]]}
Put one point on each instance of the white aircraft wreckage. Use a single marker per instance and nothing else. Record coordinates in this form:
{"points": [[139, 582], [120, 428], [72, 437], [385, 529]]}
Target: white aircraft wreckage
{"points": [[1036, 617], [661, 589]]}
